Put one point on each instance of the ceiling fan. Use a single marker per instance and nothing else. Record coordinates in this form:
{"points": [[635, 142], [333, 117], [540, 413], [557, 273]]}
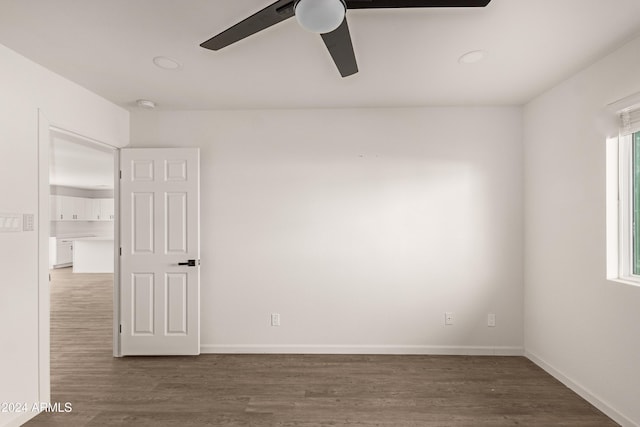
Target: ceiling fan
{"points": [[325, 17]]}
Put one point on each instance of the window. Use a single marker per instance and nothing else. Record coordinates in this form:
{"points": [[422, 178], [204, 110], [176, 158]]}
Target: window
{"points": [[629, 207], [623, 199], [635, 204]]}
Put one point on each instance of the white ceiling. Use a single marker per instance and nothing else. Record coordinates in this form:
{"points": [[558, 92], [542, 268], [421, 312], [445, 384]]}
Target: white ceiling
{"points": [[407, 57], [74, 162]]}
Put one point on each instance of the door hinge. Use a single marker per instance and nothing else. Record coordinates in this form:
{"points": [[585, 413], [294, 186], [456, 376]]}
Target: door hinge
{"points": [[121, 328], [49, 277], [120, 250], [120, 174]]}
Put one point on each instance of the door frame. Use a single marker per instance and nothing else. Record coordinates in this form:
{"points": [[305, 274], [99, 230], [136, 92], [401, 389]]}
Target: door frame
{"points": [[45, 130]]}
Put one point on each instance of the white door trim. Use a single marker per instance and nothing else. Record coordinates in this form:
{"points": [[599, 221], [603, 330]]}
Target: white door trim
{"points": [[117, 352], [44, 308], [45, 129]]}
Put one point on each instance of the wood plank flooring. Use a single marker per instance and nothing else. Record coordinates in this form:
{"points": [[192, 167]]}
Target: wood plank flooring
{"points": [[283, 390]]}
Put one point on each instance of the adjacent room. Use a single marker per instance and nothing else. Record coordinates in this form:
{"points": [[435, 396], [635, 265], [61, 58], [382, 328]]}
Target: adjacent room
{"points": [[381, 212], [81, 203]]}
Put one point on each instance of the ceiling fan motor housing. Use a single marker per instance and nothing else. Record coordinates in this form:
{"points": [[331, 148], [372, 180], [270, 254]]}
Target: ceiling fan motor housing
{"points": [[320, 16]]}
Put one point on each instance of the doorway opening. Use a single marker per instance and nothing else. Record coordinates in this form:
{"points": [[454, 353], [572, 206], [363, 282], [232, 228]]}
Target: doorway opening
{"points": [[82, 232]]}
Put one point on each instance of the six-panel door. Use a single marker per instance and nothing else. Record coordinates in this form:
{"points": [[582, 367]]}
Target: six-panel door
{"points": [[160, 299]]}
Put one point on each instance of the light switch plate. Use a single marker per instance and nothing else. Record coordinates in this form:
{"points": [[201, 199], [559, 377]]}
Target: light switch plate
{"points": [[10, 222], [27, 222]]}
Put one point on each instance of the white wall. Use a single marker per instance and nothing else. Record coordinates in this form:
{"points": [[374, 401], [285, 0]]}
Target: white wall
{"points": [[25, 88], [360, 227], [578, 325]]}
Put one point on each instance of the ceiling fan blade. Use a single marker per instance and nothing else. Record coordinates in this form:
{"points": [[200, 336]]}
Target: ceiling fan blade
{"points": [[339, 44], [270, 15], [383, 4]]}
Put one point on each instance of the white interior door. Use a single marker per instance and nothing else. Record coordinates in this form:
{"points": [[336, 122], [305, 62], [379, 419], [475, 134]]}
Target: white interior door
{"points": [[160, 243]]}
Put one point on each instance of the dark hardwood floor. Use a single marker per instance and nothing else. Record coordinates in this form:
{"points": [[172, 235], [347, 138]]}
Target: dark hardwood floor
{"points": [[283, 390]]}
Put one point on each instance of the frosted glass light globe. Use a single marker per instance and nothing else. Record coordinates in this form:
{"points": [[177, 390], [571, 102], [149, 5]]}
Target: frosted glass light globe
{"points": [[320, 16]]}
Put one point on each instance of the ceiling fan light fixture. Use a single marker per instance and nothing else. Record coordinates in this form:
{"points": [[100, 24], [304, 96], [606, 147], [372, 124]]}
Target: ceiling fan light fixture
{"points": [[320, 16]]}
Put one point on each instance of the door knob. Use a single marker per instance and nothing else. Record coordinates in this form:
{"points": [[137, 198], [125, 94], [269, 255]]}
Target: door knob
{"points": [[190, 263]]}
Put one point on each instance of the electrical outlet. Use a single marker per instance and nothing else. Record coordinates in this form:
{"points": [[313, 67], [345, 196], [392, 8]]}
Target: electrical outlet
{"points": [[275, 319], [448, 318], [491, 320]]}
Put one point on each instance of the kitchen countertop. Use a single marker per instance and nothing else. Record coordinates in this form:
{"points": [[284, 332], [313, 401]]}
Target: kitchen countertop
{"points": [[92, 238], [83, 237]]}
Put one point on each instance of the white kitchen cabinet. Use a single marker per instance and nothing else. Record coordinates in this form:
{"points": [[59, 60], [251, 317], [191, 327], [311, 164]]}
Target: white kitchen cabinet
{"points": [[64, 253], [63, 208], [107, 211], [79, 210], [93, 209], [67, 208]]}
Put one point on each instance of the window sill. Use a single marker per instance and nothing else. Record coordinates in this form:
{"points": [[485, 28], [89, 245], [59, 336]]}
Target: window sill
{"points": [[624, 280]]}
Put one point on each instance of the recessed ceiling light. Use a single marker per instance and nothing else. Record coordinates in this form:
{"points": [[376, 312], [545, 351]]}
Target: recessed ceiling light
{"points": [[146, 104], [166, 63], [472, 57]]}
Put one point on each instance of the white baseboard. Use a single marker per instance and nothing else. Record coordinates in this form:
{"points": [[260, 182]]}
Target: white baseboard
{"points": [[18, 419], [362, 349], [582, 391]]}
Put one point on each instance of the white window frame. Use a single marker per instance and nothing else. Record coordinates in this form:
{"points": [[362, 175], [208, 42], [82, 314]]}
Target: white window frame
{"points": [[625, 210], [619, 192]]}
